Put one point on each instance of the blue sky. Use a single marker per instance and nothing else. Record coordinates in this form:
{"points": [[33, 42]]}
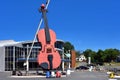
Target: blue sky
{"points": [[87, 24]]}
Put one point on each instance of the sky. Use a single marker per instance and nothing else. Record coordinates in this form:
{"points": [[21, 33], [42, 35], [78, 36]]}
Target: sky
{"points": [[86, 24]]}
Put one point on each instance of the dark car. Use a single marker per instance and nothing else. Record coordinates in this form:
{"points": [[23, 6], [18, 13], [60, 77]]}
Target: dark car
{"points": [[82, 68]]}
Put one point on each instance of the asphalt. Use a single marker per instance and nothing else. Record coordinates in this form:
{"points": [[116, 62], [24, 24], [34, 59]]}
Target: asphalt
{"points": [[76, 75]]}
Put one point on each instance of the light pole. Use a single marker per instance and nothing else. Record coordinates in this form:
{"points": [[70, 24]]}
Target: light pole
{"points": [[63, 59], [69, 58]]}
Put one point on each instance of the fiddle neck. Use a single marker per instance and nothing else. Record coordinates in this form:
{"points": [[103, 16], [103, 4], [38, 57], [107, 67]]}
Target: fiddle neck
{"points": [[47, 34]]}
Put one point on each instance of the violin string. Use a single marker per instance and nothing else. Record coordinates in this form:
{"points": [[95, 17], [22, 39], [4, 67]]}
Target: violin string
{"points": [[41, 20]]}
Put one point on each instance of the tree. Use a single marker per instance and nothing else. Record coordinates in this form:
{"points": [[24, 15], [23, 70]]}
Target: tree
{"points": [[100, 56], [68, 46], [107, 55], [90, 53], [111, 54]]}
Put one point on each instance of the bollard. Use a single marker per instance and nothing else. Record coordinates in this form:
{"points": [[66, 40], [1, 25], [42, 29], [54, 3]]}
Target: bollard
{"points": [[47, 74], [58, 74], [111, 75], [68, 72], [52, 74]]}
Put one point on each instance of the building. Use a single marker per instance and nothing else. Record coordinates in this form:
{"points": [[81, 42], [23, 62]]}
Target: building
{"points": [[81, 58], [14, 54]]}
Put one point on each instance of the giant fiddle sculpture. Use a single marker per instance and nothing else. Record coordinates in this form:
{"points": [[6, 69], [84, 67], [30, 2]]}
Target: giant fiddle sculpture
{"points": [[48, 57]]}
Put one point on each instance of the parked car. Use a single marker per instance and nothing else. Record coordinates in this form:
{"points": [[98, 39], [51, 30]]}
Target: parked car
{"points": [[81, 68]]}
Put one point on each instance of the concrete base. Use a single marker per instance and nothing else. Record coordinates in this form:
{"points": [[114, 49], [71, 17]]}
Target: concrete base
{"points": [[38, 76]]}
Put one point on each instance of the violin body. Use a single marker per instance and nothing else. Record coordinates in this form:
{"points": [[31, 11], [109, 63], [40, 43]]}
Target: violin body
{"points": [[48, 57]]}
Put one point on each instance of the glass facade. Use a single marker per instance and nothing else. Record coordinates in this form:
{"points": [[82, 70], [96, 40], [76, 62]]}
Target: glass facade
{"points": [[9, 58], [59, 44], [16, 56]]}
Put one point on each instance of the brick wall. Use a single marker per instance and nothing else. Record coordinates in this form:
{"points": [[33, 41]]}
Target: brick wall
{"points": [[73, 59]]}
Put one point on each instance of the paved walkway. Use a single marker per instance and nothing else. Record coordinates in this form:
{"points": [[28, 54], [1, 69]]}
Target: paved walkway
{"points": [[77, 75]]}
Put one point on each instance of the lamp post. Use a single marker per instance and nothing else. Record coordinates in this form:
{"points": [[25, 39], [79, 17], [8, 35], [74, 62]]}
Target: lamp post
{"points": [[63, 59], [69, 58]]}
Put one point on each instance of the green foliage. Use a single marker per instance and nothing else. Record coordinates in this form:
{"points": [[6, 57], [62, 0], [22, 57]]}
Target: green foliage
{"points": [[111, 54], [68, 46], [107, 55], [90, 53], [100, 56]]}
